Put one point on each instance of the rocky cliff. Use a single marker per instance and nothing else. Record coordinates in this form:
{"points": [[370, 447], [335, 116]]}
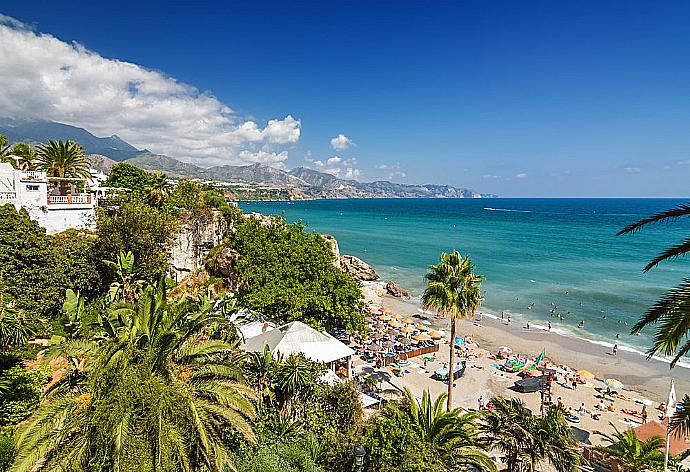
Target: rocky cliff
{"points": [[197, 236]]}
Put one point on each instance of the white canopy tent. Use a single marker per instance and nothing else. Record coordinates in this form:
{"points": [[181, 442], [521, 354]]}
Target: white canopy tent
{"points": [[296, 337]]}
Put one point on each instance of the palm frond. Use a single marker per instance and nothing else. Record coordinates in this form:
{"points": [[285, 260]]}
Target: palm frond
{"points": [[669, 215]]}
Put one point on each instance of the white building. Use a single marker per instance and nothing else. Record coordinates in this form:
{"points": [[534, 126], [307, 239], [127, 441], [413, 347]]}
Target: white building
{"points": [[56, 204]]}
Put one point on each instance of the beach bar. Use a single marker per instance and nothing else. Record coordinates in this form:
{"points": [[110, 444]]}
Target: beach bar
{"points": [[297, 337]]}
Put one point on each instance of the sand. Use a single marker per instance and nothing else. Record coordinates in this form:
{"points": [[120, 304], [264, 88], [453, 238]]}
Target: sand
{"points": [[643, 378]]}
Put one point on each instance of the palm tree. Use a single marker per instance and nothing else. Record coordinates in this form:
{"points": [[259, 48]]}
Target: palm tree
{"points": [[62, 159], [5, 150], [25, 156], [633, 454], [452, 289], [451, 434], [16, 328], [671, 313], [526, 440], [158, 394], [159, 189]]}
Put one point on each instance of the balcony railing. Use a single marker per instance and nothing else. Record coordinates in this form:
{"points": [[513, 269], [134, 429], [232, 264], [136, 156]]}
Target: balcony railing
{"points": [[84, 198], [8, 196], [33, 175]]}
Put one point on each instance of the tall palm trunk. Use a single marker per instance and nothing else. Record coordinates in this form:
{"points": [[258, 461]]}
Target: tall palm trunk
{"points": [[451, 371]]}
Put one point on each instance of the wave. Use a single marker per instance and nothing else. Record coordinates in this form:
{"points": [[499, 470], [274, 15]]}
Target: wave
{"points": [[507, 209]]}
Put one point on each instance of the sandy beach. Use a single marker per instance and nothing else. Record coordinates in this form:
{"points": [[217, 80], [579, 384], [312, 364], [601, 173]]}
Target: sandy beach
{"points": [[643, 378]]}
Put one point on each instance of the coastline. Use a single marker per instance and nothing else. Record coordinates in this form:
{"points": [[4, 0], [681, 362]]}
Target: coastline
{"points": [[648, 377]]}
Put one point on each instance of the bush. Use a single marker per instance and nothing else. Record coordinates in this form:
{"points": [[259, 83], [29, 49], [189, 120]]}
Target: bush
{"points": [[6, 449], [288, 274], [135, 226], [23, 392]]}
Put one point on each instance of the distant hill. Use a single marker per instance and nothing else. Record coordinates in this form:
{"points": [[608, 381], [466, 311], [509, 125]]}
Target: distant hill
{"points": [[40, 131], [105, 152]]}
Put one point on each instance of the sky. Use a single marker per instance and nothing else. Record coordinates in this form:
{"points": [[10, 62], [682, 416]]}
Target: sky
{"points": [[531, 98]]}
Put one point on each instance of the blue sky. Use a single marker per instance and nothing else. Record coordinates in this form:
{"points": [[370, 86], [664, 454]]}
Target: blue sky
{"points": [[536, 98]]}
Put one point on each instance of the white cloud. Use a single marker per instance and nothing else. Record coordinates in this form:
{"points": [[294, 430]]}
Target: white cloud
{"points": [[341, 142], [337, 166], [44, 77], [632, 170], [396, 175], [491, 176], [521, 175]]}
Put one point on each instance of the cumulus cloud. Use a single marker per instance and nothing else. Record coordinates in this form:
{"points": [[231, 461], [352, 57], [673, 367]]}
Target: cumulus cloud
{"points": [[337, 166], [341, 142], [46, 78], [521, 175]]}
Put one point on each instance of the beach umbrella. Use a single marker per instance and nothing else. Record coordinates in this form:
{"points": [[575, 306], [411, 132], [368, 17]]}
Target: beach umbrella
{"points": [[392, 332], [436, 334], [378, 336], [421, 327], [395, 323], [421, 337], [505, 350], [396, 316], [404, 341], [585, 374], [407, 330], [382, 309], [613, 384], [374, 347], [408, 320], [384, 317], [388, 344]]}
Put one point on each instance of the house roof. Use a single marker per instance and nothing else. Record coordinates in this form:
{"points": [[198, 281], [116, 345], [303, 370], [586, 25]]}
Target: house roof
{"points": [[296, 337], [679, 444]]}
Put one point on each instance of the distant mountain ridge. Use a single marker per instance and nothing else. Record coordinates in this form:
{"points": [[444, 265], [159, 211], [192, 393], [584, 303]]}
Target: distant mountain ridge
{"points": [[105, 152]]}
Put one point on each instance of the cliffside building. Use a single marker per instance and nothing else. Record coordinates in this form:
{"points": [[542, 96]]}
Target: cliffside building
{"points": [[55, 203]]}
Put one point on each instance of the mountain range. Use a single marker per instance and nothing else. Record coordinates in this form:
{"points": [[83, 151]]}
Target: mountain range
{"points": [[105, 152]]}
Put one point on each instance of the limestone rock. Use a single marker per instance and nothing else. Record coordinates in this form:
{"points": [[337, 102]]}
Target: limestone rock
{"points": [[396, 290], [357, 268], [334, 247]]}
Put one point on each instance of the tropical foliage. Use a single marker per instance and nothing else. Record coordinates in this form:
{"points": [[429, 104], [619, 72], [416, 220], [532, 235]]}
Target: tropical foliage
{"points": [[153, 393], [631, 453], [526, 440], [453, 290], [62, 159]]}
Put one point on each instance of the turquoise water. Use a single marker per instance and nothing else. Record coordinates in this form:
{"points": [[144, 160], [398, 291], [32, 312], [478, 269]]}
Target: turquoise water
{"points": [[542, 251]]}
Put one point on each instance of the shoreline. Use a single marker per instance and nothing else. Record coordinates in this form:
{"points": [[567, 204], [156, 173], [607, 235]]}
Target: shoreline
{"points": [[648, 377]]}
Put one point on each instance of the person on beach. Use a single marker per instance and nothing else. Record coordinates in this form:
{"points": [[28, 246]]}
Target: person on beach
{"points": [[615, 349], [480, 402], [527, 327], [574, 383], [559, 403], [644, 414], [549, 326]]}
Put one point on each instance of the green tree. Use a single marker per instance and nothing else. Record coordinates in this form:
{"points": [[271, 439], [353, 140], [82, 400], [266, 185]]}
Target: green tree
{"points": [[62, 159], [25, 156], [127, 282], [287, 273], [158, 190], [16, 329], [187, 195], [133, 226], [526, 440], [156, 395], [5, 150], [452, 289], [450, 434], [125, 175], [632, 454]]}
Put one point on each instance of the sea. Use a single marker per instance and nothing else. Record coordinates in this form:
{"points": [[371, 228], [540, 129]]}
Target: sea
{"points": [[543, 260]]}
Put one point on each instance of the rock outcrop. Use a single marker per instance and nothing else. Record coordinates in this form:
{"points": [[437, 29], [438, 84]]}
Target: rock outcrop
{"points": [[196, 238], [334, 247], [396, 290], [357, 268]]}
